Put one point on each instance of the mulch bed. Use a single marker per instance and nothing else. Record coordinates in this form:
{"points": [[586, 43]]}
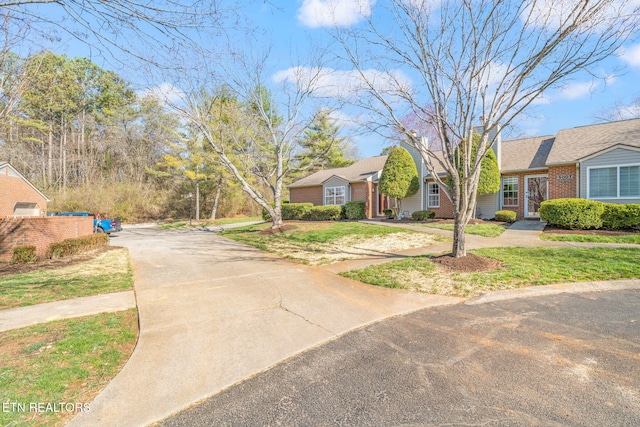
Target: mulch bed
{"points": [[7, 269], [467, 264]]}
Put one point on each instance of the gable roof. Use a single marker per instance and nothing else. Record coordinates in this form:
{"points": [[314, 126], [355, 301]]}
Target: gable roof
{"points": [[3, 164], [359, 171], [574, 144], [525, 154]]}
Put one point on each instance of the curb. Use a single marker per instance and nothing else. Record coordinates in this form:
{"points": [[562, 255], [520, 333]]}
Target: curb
{"points": [[559, 288]]}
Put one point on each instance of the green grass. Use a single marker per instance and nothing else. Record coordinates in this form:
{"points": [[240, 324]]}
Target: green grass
{"points": [[486, 230], [522, 267], [62, 361], [109, 272], [592, 238], [207, 223]]}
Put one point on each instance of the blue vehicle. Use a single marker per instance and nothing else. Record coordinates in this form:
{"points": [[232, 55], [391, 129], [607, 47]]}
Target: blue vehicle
{"points": [[100, 225]]}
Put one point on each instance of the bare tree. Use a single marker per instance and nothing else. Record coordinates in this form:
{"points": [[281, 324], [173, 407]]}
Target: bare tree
{"points": [[454, 65], [256, 134], [620, 111]]}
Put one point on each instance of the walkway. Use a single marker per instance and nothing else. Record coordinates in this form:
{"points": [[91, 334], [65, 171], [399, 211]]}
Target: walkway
{"points": [[214, 312]]}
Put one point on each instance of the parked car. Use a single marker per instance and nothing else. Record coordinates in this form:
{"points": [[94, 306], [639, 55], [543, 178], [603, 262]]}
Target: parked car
{"points": [[100, 224]]}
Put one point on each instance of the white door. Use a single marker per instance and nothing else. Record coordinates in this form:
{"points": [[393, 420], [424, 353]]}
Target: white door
{"points": [[26, 209], [536, 191]]}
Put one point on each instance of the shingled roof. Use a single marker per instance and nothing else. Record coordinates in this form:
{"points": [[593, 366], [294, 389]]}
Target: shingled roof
{"points": [[359, 171], [526, 154], [574, 144]]}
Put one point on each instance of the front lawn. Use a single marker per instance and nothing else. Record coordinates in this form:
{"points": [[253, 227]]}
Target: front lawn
{"points": [[108, 272], [68, 361], [323, 242], [486, 229], [522, 267], [593, 238]]}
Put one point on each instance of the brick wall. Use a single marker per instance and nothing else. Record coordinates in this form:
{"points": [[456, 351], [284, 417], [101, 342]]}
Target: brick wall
{"points": [[307, 195], [562, 181], [40, 232], [446, 207], [16, 190]]}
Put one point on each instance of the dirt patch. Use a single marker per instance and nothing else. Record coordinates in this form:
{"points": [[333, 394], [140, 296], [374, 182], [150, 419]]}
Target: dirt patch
{"points": [[467, 264], [550, 229], [273, 231], [48, 264]]}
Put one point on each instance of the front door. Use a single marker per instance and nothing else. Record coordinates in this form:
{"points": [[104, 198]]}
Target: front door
{"points": [[536, 191]]}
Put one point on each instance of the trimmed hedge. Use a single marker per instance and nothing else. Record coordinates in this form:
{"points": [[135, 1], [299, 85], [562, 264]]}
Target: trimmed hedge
{"points": [[75, 246], [505, 216], [355, 210], [23, 254], [323, 213], [572, 213], [621, 216], [423, 215], [290, 211]]}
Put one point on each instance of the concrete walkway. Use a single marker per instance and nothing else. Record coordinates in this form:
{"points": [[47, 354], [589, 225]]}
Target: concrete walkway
{"points": [[214, 312]]}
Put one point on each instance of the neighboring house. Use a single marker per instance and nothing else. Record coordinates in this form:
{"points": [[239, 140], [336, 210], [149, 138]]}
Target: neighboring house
{"points": [[18, 197], [599, 162]]}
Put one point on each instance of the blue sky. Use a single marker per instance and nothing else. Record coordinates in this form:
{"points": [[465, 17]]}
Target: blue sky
{"points": [[293, 27]]}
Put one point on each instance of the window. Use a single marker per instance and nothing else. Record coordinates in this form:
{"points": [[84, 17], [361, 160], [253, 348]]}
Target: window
{"points": [[334, 196], [433, 195], [510, 191], [614, 182]]}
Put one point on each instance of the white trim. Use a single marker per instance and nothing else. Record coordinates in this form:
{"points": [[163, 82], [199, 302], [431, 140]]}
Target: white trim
{"points": [[429, 184], [617, 197], [517, 178], [525, 208], [335, 196]]}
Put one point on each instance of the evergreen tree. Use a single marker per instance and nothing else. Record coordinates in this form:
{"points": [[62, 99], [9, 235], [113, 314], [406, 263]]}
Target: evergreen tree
{"points": [[399, 177]]}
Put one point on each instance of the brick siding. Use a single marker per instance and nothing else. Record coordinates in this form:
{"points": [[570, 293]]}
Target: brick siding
{"points": [[562, 181], [16, 190], [40, 232], [307, 195]]}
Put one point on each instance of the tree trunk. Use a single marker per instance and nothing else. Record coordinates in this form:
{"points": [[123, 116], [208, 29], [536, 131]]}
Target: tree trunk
{"points": [[459, 245], [215, 201], [197, 201]]}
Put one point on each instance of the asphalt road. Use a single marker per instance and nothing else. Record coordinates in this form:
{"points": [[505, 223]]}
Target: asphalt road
{"points": [[569, 359]]}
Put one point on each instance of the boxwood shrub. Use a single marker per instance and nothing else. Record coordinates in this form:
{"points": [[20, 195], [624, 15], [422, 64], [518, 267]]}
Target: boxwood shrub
{"points": [[572, 213], [290, 211], [23, 254], [621, 216], [423, 215], [323, 213], [505, 216], [355, 210]]}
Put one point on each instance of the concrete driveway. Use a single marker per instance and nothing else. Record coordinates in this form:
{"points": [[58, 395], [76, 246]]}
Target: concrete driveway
{"points": [[214, 312], [559, 360]]}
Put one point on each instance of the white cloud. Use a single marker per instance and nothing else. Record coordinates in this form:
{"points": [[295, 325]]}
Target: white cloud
{"points": [[165, 93], [327, 82], [631, 111], [323, 13], [631, 55], [577, 90]]}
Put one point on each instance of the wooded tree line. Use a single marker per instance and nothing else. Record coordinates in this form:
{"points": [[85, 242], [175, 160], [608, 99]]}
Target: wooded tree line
{"points": [[90, 142]]}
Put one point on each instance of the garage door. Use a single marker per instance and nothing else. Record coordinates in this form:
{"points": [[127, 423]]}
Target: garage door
{"points": [[26, 209]]}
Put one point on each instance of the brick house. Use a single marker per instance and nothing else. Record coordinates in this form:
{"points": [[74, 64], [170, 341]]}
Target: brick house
{"points": [[599, 162], [19, 197]]}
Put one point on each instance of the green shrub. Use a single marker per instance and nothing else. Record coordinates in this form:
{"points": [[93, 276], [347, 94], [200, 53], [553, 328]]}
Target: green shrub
{"points": [[388, 212], [355, 210], [75, 246], [290, 211], [505, 216], [621, 216], [423, 215], [572, 213], [23, 254], [323, 213]]}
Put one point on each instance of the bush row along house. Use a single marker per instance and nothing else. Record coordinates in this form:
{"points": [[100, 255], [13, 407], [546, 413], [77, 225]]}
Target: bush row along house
{"points": [[18, 196], [599, 162]]}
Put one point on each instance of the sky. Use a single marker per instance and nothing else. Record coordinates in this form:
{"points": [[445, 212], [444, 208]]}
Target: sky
{"points": [[294, 28]]}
